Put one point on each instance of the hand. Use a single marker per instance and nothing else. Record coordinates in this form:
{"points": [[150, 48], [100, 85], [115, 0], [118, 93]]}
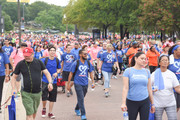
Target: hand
{"points": [[50, 87], [155, 90], [93, 86], [123, 107], [14, 91], [55, 75], [7, 79], [68, 87], [99, 70], [152, 109]]}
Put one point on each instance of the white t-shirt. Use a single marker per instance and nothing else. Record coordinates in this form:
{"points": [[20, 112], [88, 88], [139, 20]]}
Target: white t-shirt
{"points": [[165, 98]]}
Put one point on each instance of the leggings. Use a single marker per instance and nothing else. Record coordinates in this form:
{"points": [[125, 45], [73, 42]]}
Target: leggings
{"points": [[142, 107], [152, 68], [170, 111], [1, 86]]}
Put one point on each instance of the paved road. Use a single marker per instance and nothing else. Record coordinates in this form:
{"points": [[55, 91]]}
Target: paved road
{"points": [[97, 106]]}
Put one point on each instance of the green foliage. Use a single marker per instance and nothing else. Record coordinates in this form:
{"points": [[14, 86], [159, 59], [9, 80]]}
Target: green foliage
{"points": [[8, 22], [52, 19]]}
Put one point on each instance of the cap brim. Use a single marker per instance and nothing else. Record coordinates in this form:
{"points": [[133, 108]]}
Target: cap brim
{"points": [[27, 54]]}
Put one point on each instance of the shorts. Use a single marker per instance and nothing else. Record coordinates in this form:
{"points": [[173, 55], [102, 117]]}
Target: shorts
{"points": [[46, 95], [31, 102], [177, 96], [65, 76]]}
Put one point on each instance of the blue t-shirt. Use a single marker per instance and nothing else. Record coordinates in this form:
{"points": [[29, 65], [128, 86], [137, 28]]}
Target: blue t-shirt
{"points": [[108, 61], [52, 68], [81, 76], [120, 54], [75, 51], [37, 55], [3, 60], [175, 68], [7, 50], [68, 59], [100, 53], [138, 81]]}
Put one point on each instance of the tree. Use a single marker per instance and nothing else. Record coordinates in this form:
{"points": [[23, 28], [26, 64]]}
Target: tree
{"points": [[52, 19], [161, 15], [8, 22], [37, 7]]}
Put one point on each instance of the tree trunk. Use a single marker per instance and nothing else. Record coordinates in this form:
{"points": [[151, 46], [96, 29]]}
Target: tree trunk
{"points": [[161, 36], [121, 31], [105, 32]]}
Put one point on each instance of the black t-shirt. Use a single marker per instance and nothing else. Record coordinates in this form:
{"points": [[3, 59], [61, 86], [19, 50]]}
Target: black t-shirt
{"points": [[31, 73]]}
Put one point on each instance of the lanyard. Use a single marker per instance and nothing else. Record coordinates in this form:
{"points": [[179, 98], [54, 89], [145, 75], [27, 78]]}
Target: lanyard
{"points": [[29, 73]]}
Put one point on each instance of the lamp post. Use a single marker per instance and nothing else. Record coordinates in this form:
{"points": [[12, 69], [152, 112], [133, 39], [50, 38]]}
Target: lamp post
{"points": [[19, 21]]}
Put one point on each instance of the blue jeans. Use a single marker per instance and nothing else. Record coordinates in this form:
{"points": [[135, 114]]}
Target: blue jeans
{"points": [[107, 78], [81, 93]]}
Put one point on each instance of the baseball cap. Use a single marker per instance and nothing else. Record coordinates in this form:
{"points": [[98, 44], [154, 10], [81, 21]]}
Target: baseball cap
{"points": [[27, 51]]}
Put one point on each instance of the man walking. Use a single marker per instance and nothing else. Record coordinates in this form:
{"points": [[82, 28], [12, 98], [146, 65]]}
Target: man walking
{"points": [[31, 69], [79, 70], [53, 66]]}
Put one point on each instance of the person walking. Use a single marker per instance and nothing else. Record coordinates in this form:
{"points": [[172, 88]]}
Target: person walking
{"points": [[152, 55], [79, 70], [137, 91], [31, 69], [4, 71], [174, 66], [164, 81], [53, 66], [108, 59], [67, 59]]}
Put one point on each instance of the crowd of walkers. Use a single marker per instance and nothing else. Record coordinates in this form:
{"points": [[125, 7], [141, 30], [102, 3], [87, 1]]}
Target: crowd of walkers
{"points": [[150, 70]]}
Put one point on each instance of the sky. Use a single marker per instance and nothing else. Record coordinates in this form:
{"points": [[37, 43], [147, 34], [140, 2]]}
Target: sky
{"points": [[56, 2]]}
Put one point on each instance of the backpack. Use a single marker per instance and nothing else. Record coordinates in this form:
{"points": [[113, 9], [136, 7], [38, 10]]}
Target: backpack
{"points": [[78, 66], [46, 60]]}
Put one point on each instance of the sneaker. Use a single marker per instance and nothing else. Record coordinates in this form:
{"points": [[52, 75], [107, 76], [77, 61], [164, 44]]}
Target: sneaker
{"points": [[83, 117], [106, 94], [50, 115], [44, 112], [78, 113], [71, 92], [68, 94]]}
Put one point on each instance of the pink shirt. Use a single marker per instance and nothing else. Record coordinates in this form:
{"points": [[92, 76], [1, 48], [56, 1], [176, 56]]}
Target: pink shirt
{"points": [[28, 43], [93, 52], [17, 57]]}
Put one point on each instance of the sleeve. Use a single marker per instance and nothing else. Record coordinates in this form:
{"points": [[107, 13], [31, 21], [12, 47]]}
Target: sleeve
{"points": [[175, 81], [91, 68], [6, 59], [128, 52], [149, 74], [126, 72], [43, 67], [13, 54], [17, 69], [73, 67], [102, 57], [98, 55], [59, 65], [62, 57]]}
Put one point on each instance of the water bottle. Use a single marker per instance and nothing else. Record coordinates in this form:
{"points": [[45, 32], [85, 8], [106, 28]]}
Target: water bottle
{"points": [[92, 89], [99, 75], [16, 97], [125, 115], [154, 87]]}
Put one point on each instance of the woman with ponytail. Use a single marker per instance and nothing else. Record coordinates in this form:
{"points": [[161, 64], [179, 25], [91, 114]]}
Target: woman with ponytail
{"points": [[137, 91]]}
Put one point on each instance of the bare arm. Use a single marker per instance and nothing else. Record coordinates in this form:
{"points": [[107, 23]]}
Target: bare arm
{"points": [[125, 89], [62, 65], [13, 83], [69, 80], [177, 89], [7, 73], [150, 91], [92, 77], [11, 62]]}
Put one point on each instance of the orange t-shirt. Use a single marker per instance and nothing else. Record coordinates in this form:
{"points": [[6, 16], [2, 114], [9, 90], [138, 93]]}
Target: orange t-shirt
{"points": [[153, 57], [130, 51]]}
